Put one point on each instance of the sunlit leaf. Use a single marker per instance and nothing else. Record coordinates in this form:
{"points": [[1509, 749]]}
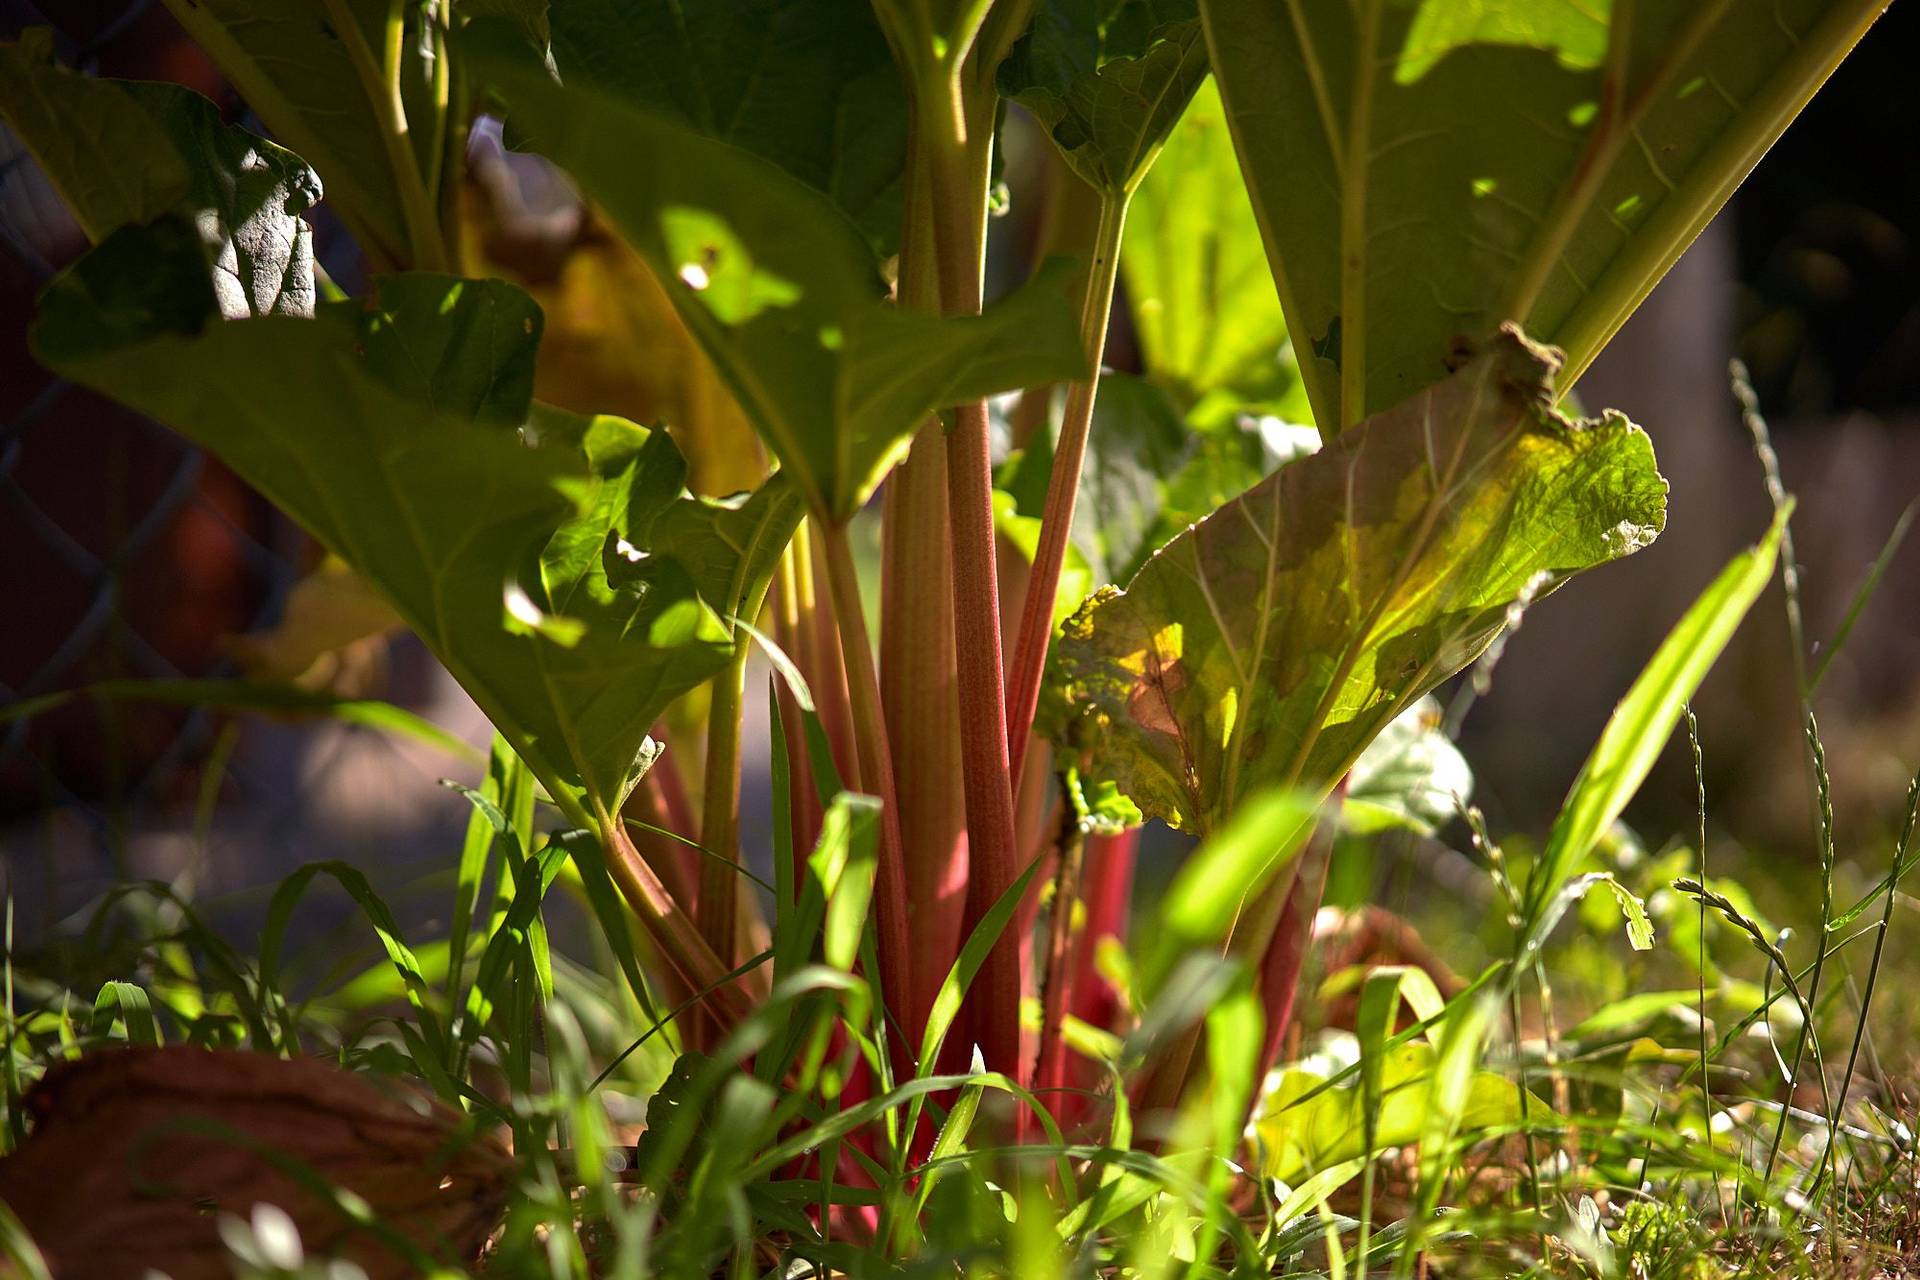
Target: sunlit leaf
{"points": [[1425, 171], [782, 290], [1271, 642], [1632, 909], [389, 431], [1299, 1137], [1211, 329], [126, 151], [321, 88]]}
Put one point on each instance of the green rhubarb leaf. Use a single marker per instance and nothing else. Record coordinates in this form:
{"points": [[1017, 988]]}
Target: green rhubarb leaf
{"points": [[1425, 170], [1137, 442], [315, 71], [531, 18], [1270, 643], [810, 87], [1108, 79], [1148, 474], [125, 151], [397, 431], [781, 289], [1211, 330], [1137, 445]]}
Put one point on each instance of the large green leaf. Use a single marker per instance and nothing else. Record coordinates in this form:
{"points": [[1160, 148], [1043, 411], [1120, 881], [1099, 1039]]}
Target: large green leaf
{"points": [[125, 151], [1210, 327], [1108, 78], [1268, 644], [1138, 446], [810, 87], [392, 430], [316, 71], [782, 291], [1426, 169]]}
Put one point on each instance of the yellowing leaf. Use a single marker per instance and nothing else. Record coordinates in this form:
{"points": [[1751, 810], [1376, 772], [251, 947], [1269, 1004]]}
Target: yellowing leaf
{"points": [[1269, 644], [329, 612]]}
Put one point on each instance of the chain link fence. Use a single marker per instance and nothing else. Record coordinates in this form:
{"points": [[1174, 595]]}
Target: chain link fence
{"points": [[127, 554]]}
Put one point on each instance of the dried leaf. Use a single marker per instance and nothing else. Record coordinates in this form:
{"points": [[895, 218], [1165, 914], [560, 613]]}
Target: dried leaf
{"points": [[333, 619]]}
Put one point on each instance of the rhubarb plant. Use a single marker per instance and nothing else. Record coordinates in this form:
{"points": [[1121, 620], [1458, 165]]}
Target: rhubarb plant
{"points": [[1397, 232]]}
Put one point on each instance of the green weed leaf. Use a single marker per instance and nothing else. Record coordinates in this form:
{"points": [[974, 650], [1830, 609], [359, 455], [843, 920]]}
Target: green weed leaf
{"points": [[1305, 1127], [1224, 874], [1638, 729]]}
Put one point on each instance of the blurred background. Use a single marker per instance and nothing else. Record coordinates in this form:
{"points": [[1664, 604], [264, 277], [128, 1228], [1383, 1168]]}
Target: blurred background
{"points": [[128, 554]]}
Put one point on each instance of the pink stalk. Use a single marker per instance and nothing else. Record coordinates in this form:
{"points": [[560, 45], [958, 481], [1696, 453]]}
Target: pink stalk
{"points": [[1063, 484], [874, 773], [661, 801], [917, 673], [986, 773], [669, 926], [793, 629], [922, 704], [1106, 886], [1286, 955], [678, 866], [953, 166]]}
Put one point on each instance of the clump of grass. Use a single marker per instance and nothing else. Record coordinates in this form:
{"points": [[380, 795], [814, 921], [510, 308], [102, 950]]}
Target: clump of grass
{"points": [[1564, 1114]]}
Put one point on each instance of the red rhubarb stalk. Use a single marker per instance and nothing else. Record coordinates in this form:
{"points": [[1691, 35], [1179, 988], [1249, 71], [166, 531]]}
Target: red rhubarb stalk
{"points": [[874, 770], [1063, 484]]}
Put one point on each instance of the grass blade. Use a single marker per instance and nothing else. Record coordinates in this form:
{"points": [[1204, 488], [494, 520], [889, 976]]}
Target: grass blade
{"points": [[1638, 729]]}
